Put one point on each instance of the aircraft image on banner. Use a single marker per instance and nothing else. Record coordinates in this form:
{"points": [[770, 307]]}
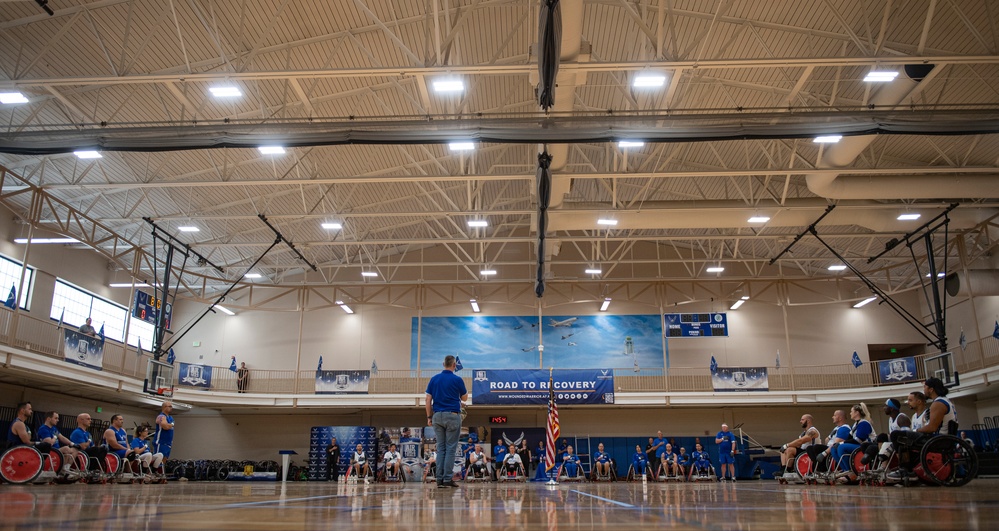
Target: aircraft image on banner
{"points": [[527, 349], [568, 336], [571, 344], [562, 324]]}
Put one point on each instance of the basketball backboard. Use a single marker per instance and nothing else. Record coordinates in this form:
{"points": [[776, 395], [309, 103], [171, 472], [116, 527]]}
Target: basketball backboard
{"points": [[159, 379], [942, 366]]}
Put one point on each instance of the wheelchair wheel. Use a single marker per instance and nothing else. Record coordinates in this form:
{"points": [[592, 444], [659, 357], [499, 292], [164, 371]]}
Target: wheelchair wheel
{"points": [[53, 463], [947, 460], [803, 465], [856, 465], [113, 463], [20, 464]]}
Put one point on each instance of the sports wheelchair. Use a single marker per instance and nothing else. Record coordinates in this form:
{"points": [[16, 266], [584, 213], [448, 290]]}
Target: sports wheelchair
{"points": [[563, 473], [385, 476], [471, 473], [632, 474], [353, 474], [517, 474], [27, 464], [942, 460], [701, 472], [665, 475], [799, 472], [595, 475]]}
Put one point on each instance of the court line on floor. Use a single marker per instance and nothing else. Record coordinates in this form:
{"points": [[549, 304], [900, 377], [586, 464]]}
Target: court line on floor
{"points": [[615, 502], [285, 500]]}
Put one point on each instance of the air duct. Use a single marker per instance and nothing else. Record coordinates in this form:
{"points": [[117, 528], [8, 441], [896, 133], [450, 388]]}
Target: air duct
{"points": [[978, 282]]}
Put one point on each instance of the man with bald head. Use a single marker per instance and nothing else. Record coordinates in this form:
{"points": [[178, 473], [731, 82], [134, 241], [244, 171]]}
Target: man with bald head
{"points": [[789, 451], [82, 440], [839, 435], [163, 440], [726, 452]]}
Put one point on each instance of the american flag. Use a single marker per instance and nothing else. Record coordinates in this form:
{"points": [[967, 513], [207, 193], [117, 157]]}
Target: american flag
{"points": [[552, 432]]}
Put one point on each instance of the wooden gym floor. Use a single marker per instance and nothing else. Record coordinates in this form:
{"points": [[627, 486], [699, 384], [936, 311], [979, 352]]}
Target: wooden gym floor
{"points": [[754, 505]]}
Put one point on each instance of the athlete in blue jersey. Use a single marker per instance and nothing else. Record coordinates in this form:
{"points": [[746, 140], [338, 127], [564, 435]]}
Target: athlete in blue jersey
{"points": [[82, 439], [639, 460], [49, 433], [602, 460], [860, 432], [701, 461], [163, 440], [671, 463], [19, 432], [116, 439], [839, 435], [141, 448], [726, 453], [571, 462], [683, 459]]}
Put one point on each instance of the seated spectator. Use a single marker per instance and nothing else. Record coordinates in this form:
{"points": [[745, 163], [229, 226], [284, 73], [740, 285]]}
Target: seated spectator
{"points": [[602, 461], [392, 461], [478, 462], [359, 462], [49, 433], [141, 448], [84, 441], [639, 460], [571, 462], [789, 451], [429, 457], [116, 439]]}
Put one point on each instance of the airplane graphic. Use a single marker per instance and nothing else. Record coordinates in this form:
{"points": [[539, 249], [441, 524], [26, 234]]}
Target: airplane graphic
{"points": [[527, 349], [562, 324], [518, 327], [571, 344], [568, 336]]}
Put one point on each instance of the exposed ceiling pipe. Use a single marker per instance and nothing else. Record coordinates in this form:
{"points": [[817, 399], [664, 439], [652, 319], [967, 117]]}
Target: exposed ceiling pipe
{"points": [[845, 152], [977, 282]]}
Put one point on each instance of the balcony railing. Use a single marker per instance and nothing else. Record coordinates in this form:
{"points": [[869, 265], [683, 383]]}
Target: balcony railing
{"points": [[44, 337]]}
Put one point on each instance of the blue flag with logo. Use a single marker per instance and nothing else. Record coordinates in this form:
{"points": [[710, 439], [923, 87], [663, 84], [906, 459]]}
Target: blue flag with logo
{"points": [[778, 359], [171, 357], [714, 365], [11, 301], [457, 364], [995, 332], [101, 333], [963, 341], [232, 365], [374, 367], [856, 360], [320, 367]]}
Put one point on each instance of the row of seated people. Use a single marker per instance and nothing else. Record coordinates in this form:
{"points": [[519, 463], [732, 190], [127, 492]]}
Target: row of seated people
{"points": [[853, 450], [68, 450], [673, 464], [390, 468]]}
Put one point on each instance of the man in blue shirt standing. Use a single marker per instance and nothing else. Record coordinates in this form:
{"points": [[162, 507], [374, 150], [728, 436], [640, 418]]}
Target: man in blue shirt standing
{"points": [[726, 452], [445, 394], [163, 440]]}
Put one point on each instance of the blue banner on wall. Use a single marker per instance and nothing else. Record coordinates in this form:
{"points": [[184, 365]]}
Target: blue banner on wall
{"points": [[342, 382], [82, 349], [530, 387], [898, 370], [194, 375], [740, 379], [696, 325]]}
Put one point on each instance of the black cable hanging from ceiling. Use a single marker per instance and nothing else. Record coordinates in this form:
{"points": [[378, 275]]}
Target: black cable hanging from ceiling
{"points": [[544, 178], [549, 51]]}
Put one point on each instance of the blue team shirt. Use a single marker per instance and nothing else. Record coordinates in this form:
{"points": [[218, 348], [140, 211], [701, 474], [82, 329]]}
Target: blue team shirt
{"points": [[164, 436], [639, 457], [80, 436], [570, 458], [683, 459], [662, 449], [725, 447], [842, 432], [601, 457], [862, 431], [700, 457], [446, 389], [139, 443], [12, 439], [45, 432], [500, 452], [122, 438]]}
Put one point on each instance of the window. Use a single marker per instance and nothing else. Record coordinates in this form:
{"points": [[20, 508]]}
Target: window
{"points": [[137, 330], [10, 275], [73, 305]]}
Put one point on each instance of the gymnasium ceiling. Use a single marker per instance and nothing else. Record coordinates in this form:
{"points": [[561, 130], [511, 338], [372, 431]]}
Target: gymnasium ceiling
{"points": [[729, 135]]}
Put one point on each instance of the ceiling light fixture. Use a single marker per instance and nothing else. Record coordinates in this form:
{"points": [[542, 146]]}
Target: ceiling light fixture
{"points": [[837, 267], [864, 302], [940, 274], [478, 223], [252, 275], [224, 310], [593, 271], [606, 304], [715, 269], [828, 139], [739, 302], [630, 144], [225, 92], [880, 76], [331, 226], [759, 219], [449, 85], [462, 146], [344, 307], [188, 228], [608, 222], [475, 306], [908, 217], [649, 80], [271, 150], [47, 240], [87, 154], [127, 285], [368, 274], [11, 98], [487, 272]]}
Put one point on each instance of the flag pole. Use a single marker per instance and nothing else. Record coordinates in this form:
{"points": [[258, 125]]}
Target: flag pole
{"points": [[549, 432]]}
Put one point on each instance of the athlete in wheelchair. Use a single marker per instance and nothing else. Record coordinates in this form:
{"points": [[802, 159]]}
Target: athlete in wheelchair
{"points": [[512, 467], [23, 460], [701, 468], [392, 466], [603, 464], [639, 464], [670, 469], [933, 452], [359, 465], [791, 451], [570, 469], [477, 468]]}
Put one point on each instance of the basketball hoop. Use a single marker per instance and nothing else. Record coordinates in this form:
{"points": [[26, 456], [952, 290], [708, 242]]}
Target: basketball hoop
{"points": [[165, 391]]}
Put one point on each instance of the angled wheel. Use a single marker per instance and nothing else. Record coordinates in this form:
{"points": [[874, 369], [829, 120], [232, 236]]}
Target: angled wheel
{"points": [[947, 460], [20, 464]]}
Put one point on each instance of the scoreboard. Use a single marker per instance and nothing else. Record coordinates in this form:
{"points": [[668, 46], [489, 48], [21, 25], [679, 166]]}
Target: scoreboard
{"points": [[146, 307], [696, 325]]}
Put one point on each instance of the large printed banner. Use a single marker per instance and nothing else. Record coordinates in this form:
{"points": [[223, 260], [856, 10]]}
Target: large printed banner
{"points": [[530, 387], [740, 379], [194, 375], [82, 349], [898, 370], [342, 382], [571, 341]]}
